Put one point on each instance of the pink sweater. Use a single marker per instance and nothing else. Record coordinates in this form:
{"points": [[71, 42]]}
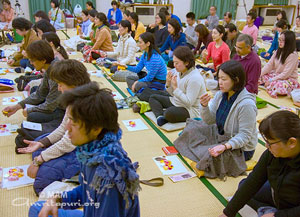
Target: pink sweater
{"points": [[284, 71], [218, 55], [253, 31]]}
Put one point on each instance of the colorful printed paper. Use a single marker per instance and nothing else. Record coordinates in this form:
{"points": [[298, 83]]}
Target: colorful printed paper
{"points": [[135, 125], [14, 177], [169, 165]]}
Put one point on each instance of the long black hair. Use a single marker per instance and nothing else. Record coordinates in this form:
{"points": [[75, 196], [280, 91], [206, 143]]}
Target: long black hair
{"points": [[177, 28], [135, 17], [55, 2], [289, 46], [149, 37], [44, 26], [221, 30], [52, 37], [42, 15], [126, 24], [89, 3], [162, 16], [102, 17]]}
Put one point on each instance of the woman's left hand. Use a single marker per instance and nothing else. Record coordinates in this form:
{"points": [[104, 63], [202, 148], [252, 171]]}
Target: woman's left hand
{"points": [[174, 82], [217, 150]]}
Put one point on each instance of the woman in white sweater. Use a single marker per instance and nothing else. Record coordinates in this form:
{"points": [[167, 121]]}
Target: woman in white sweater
{"points": [[185, 85], [58, 143], [126, 49]]}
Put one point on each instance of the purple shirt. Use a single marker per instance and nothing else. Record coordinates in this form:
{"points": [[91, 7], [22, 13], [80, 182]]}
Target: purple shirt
{"points": [[252, 66]]}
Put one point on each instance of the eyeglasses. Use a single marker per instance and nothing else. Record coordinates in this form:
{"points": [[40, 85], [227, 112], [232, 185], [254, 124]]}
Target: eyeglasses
{"points": [[269, 143]]}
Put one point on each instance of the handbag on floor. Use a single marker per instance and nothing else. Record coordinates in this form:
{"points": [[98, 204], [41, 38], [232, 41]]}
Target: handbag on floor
{"points": [[23, 80]]}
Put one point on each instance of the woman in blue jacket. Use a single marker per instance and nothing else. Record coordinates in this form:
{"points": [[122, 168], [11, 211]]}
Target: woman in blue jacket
{"points": [[175, 39], [154, 63], [109, 183], [114, 15]]}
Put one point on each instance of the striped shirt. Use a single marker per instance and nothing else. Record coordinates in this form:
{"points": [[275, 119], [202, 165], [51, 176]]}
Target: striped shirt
{"points": [[156, 67]]}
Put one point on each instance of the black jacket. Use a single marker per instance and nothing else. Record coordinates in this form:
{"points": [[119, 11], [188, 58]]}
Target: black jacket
{"points": [[284, 177]]}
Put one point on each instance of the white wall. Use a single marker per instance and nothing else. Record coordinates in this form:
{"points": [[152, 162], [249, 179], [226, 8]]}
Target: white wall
{"points": [[241, 13], [103, 5], [24, 6], [181, 7]]}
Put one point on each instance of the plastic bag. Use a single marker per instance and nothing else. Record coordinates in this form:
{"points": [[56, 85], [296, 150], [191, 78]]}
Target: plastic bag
{"points": [[77, 10]]}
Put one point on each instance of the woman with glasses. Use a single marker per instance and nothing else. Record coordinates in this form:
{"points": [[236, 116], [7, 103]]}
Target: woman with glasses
{"points": [[272, 188], [280, 74]]}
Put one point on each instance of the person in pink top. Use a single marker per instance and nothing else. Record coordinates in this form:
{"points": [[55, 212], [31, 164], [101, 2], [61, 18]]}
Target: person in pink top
{"points": [[7, 14], [250, 28], [280, 74], [218, 50]]}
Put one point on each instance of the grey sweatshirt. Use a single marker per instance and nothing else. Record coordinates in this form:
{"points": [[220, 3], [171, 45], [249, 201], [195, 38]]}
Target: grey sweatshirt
{"points": [[240, 124]]}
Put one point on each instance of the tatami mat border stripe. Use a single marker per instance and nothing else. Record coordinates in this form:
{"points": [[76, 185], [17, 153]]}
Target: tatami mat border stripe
{"points": [[212, 189], [275, 106], [63, 31]]}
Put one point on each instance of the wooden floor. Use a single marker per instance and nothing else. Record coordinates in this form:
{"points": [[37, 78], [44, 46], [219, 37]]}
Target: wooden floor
{"points": [[194, 197]]}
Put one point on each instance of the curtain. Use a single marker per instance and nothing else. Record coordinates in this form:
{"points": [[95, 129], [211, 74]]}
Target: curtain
{"points": [[44, 5], [201, 7], [265, 2]]}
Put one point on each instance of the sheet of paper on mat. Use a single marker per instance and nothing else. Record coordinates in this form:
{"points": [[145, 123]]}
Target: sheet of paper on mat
{"points": [[97, 73], [32, 126], [117, 96], [175, 166], [182, 177], [13, 100], [135, 125], [7, 129], [3, 71], [22, 181]]}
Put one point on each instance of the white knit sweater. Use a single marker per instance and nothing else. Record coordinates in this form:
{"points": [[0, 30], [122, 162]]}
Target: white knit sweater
{"points": [[125, 51], [60, 141]]}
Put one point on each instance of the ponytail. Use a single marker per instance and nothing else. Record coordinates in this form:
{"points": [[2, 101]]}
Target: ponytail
{"points": [[63, 52]]}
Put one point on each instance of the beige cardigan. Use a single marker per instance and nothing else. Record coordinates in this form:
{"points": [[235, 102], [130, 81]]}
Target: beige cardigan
{"points": [[58, 141]]}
